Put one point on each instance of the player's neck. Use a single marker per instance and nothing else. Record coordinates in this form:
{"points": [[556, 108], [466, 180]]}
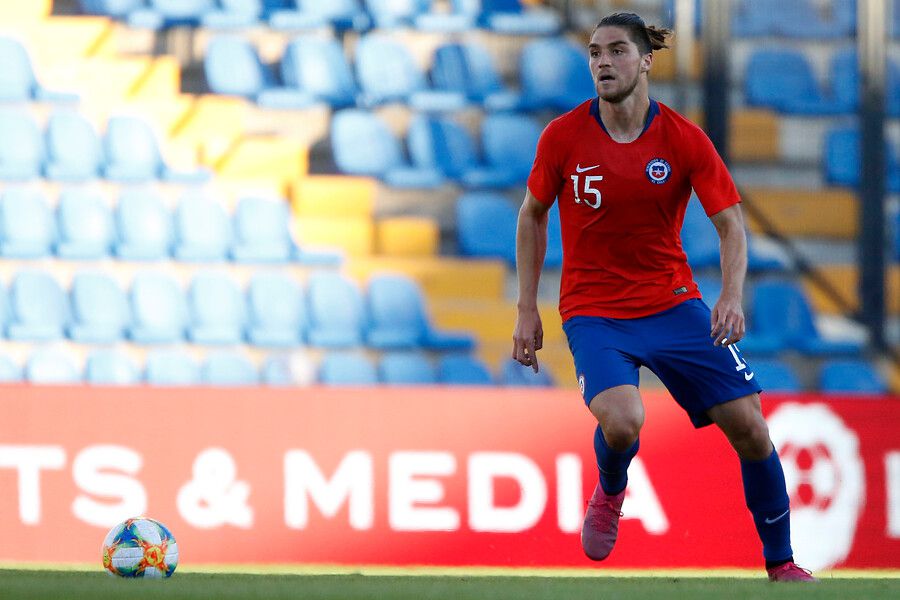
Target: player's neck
{"points": [[625, 120]]}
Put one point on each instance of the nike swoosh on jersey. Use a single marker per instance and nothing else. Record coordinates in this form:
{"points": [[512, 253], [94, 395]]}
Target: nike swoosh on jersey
{"points": [[578, 168], [749, 376], [778, 518]]}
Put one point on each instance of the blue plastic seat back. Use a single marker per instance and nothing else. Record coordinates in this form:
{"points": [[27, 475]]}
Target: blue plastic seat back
{"points": [[245, 7], [395, 13], [111, 367], [158, 304], [262, 229], [396, 302], [842, 156], [52, 366], [385, 69], [486, 226], [202, 229], [21, 145], [775, 76], [216, 301], [276, 301], [555, 74], [441, 143], [99, 302], [781, 309], [462, 369], [232, 67], [710, 288], [165, 367], [347, 368], [851, 376], [844, 77], [362, 144], [111, 8], [509, 142], [333, 10], [74, 150], [229, 369], [335, 302], [699, 238], [9, 370], [553, 258], [27, 226], [17, 81], [85, 224], [144, 224], [775, 375], [318, 66], [182, 11], [515, 374], [38, 303], [466, 68], [131, 147], [406, 368]]}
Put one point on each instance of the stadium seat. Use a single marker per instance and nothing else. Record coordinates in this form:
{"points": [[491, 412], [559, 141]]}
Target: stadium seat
{"points": [[512, 373], [217, 309], [553, 256], [775, 375], [387, 14], [27, 226], [110, 8], [510, 17], [144, 225], [9, 371], [486, 226], [554, 74], [398, 319], [228, 368], [99, 309], [468, 68], [845, 81], [363, 145], [17, 80], [294, 369], [783, 80], [74, 150], [84, 225], [277, 310], [336, 311], [233, 14], [132, 155], [158, 308], [509, 142], [851, 376], [406, 368], [347, 368], [443, 144], [262, 231], [38, 307], [305, 14], [806, 19], [386, 72], [843, 159], [456, 20], [161, 14], [462, 369], [110, 367], [202, 229], [710, 288], [233, 68], [318, 67], [52, 366], [171, 367], [21, 145], [699, 239]]}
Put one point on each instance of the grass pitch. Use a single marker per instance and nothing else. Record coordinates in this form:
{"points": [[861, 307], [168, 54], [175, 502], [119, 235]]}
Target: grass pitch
{"points": [[96, 585]]}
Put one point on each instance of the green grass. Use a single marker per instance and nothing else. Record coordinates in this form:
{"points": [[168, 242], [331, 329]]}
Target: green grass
{"points": [[96, 585]]}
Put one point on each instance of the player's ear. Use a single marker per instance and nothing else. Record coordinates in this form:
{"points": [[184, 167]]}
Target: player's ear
{"points": [[646, 62]]}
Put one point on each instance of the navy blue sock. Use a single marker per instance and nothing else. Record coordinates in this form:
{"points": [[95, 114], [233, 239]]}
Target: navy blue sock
{"points": [[613, 465], [767, 499]]}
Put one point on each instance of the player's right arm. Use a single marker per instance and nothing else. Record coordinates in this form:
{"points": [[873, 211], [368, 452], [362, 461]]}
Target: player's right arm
{"points": [[531, 246]]}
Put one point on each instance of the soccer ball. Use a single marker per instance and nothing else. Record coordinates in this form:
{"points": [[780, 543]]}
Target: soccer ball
{"points": [[140, 547]]}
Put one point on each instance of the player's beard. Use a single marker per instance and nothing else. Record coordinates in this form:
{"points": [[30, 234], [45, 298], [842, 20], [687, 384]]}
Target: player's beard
{"points": [[616, 97]]}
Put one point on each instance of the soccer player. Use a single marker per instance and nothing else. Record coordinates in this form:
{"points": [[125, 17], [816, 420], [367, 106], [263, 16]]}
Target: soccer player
{"points": [[622, 167]]}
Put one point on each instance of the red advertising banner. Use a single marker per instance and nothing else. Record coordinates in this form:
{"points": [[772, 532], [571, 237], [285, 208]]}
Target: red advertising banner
{"points": [[426, 476]]}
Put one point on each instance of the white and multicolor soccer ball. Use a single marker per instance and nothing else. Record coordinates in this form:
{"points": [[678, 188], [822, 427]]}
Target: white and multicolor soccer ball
{"points": [[140, 547]]}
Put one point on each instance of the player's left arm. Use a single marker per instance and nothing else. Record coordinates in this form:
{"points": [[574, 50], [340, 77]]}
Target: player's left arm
{"points": [[727, 323]]}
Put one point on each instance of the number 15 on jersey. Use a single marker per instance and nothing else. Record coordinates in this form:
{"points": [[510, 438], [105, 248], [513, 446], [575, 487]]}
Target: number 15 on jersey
{"points": [[588, 189]]}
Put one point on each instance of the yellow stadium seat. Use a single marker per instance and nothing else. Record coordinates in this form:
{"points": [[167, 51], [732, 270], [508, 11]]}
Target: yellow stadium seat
{"points": [[353, 235], [665, 65], [844, 278], [25, 10], [162, 80], [264, 156], [214, 124], [407, 236], [491, 319], [440, 277], [754, 134], [56, 39], [830, 213], [100, 81], [334, 196]]}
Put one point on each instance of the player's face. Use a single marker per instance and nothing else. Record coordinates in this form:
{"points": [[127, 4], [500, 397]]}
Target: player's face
{"points": [[616, 63]]}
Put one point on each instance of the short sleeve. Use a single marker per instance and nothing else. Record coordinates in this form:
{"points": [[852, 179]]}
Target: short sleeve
{"points": [[710, 178], [545, 179]]}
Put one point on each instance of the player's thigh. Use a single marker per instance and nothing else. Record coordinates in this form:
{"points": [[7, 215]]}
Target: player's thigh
{"points": [[603, 355], [742, 422]]}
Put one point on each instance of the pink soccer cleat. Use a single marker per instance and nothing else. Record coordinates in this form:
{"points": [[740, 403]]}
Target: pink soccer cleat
{"points": [[789, 571], [601, 523]]}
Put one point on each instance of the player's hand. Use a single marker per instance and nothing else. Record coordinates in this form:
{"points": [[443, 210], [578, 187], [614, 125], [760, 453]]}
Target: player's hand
{"points": [[727, 321], [528, 338]]}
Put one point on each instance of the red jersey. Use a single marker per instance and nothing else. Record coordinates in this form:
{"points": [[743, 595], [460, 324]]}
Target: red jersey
{"points": [[621, 207]]}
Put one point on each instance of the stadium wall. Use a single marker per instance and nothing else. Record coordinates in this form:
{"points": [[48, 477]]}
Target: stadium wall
{"points": [[426, 476]]}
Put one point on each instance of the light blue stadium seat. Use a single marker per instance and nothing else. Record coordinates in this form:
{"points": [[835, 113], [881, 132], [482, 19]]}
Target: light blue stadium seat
{"points": [[217, 308], [161, 14], [52, 366], [843, 159], [85, 228], [555, 74], [17, 80], [38, 307], [144, 225], [262, 231], [21, 145], [440, 143], [229, 369], [289, 369], [845, 81], [5, 310], [805, 19], [110, 8], [398, 318], [515, 374], [233, 68], [158, 307], [486, 226], [171, 367], [782, 311], [277, 310], [512, 18], [9, 370], [782, 79], [699, 238], [363, 145], [463, 369], [455, 20], [469, 69], [347, 368], [406, 368], [386, 72], [509, 142], [132, 154], [232, 14], [304, 14], [775, 375], [74, 150], [710, 288], [318, 67], [27, 226], [202, 229], [553, 257], [110, 367], [855, 376], [336, 311], [99, 309], [388, 14]]}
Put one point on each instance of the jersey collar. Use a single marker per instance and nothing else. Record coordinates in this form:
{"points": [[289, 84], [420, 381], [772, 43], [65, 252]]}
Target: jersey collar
{"points": [[595, 112]]}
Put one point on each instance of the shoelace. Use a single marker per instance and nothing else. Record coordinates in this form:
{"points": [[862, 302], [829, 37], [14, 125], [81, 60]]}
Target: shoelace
{"points": [[603, 519]]}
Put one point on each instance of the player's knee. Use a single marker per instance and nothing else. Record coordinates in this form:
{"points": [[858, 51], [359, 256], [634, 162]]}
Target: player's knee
{"points": [[751, 439], [622, 433]]}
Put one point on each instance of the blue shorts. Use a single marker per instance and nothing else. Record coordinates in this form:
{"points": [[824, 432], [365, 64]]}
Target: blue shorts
{"points": [[674, 344]]}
